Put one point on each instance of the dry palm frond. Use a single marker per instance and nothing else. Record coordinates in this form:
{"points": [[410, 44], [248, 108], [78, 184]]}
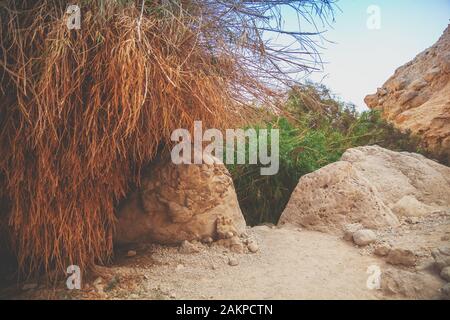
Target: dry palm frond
{"points": [[82, 111]]}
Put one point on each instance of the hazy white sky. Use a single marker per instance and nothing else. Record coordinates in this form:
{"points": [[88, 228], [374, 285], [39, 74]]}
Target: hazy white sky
{"points": [[360, 59]]}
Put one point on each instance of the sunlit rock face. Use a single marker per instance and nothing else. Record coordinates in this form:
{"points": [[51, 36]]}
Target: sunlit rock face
{"points": [[417, 97]]}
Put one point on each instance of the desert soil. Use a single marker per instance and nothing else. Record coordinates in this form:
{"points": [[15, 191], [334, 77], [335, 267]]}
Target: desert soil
{"points": [[290, 264]]}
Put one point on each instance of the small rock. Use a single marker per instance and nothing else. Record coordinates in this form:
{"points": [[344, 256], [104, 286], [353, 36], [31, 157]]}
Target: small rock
{"points": [[236, 245], [412, 220], [382, 249], [229, 235], [445, 238], [350, 229], [253, 247], [232, 261], [207, 240], [131, 253], [173, 295], [441, 257], [445, 273], [364, 237], [179, 267], [213, 267], [29, 286], [445, 290], [399, 256], [187, 247]]}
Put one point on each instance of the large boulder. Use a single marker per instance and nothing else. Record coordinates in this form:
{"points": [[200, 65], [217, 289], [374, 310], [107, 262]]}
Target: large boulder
{"points": [[371, 186], [417, 97], [180, 202]]}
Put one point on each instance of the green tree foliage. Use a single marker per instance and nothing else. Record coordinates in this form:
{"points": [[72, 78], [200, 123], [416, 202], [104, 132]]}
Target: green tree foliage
{"points": [[315, 131]]}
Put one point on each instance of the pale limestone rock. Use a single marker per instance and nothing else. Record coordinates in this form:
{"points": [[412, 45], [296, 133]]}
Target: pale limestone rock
{"points": [[253, 247], [232, 261], [364, 237], [333, 196], [350, 229], [371, 186], [180, 202]]}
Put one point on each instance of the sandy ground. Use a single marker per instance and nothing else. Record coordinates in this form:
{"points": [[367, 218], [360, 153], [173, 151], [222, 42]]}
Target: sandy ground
{"points": [[290, 264]]}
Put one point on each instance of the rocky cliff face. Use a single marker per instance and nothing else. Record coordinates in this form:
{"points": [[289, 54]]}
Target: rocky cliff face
{"points": [[417, 97]]}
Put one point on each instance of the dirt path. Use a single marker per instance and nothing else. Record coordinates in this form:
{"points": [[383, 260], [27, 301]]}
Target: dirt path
{"points": [[290, 264]]}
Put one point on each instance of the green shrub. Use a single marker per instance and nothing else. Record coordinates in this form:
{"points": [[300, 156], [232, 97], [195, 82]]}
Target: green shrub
{"points": [[262, 198], [316, 132]]}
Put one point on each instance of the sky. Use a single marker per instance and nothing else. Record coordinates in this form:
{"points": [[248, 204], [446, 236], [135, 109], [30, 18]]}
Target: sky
{"points": [[358, 59]]}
